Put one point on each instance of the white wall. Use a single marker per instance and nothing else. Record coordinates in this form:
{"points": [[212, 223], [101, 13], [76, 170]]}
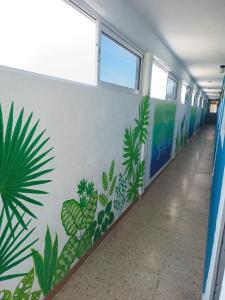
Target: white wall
{"points": [[86, 126]]}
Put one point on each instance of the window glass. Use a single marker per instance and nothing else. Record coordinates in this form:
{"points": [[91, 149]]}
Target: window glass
{"points": [[187, 94], [171, 89], [183, 93], [118, 65], [158, 82], [213, 108], [48, 37], [193, 98]]}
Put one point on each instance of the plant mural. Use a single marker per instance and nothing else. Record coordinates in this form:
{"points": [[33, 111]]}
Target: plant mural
{"points": [[182, 133], [22, 162], [23, 290], [85, 218], [192, 122], [164, 121]]}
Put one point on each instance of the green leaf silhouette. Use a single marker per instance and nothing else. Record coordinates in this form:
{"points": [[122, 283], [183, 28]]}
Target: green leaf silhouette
{"points": [[89, 211], [24, 287], [103, 199], [45, 266], [131, 151], [14, 245], [66, 258], [21, 160], [137, 182], [5, 295], [142, 122], [104, 181], [112, 186], [111, 170], [84, 244]]}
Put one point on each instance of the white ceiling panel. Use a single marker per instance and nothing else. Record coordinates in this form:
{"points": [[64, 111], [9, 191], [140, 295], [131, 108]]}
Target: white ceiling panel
{"points": [[194, 30]]}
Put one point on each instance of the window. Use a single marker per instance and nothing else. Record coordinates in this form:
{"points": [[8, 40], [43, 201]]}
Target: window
{"points": [[158, 82], [183, 93], [193, 98], [118, 64], [188, 95], [202, 103], [48, 37], [171, 89], [198, 100], [213, 107]]}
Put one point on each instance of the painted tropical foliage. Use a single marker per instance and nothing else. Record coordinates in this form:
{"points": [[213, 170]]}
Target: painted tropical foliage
{"points": [[162, 141], [24, 157], [192, 122], [23, 161], [182, 133]]}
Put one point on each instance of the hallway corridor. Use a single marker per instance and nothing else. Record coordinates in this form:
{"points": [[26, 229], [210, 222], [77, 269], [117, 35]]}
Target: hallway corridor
{"points": [[156, 252]]}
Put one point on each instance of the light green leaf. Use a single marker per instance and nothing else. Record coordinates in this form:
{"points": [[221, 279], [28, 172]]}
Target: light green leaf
{"points": [[24, 287], [112, 186], [104, 181], [72, 216], [66, 258], [84, 245], [89, 212], [103, 199], [35, 295], [5, 295], [111, 170]]}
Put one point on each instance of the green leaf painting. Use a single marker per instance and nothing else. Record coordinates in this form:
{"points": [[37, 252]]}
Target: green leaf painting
{"points": [[142, 122], [72, 216], [66, 258], [23, 290], [133, 141], [108, 184], [45, 266], [121, 193], [14, 245], [22, 158], [104, 221]]}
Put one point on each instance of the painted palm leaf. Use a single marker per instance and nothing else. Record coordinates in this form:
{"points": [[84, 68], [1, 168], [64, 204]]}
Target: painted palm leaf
{"points": [[22, 163], [14, 245]]}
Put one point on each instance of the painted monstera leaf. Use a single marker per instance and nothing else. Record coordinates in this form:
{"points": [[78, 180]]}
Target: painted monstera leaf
{"points": [[22, 163], [5, 295], [23, 290], [24, 287]]}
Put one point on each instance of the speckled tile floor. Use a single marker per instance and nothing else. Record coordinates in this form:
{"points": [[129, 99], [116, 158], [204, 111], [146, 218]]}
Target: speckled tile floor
{"points": [[156, 252]]}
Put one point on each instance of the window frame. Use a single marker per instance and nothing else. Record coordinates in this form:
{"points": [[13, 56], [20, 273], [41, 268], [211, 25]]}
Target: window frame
{"points": [[183, 85], [194, 93], [187, 94], [171, 77], [103, 29]]}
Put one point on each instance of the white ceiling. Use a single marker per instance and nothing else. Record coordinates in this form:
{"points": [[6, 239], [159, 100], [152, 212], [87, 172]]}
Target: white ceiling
{"points": [[195, 31]]}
